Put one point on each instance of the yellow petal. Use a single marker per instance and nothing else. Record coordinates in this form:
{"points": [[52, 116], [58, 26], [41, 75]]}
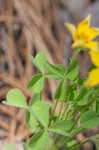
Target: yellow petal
{"points": [[85, 22], [93, 32], [93, 79], [71, 28], [78, 43], [95, 57], [92, 45], [97, 29]]}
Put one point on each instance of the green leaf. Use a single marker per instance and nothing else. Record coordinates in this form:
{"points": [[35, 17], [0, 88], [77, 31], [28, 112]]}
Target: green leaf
{"points": [[10, 146], [72, 65], [39, 141], [60, 93], [80, 81], [36, 83], [34, 80], [35, 138], [35, 98], [16, 98], [72, 71], [62, 127], [62, 68], [41, 61], [31, 122], [84, 100], [83, 92], [55, 70], [89, 119], [38, 87], [83, 96], [71, 143], [41, 112], [52, 75], [73, 74]]}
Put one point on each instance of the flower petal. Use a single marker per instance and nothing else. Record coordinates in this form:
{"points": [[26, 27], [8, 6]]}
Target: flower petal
{"points": [[92, 45], [85, 22], [94, 57], [93, 79], [93, 32], [78, 43], [71, 28]]}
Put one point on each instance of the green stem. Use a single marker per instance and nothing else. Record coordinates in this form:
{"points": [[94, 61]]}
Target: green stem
{"points": [[41, 93], [75, 122], [53, 111], [66, 113], [60, 111], [54, 146], [65, 110], [27, 137], [49, 144], [76, 53]]}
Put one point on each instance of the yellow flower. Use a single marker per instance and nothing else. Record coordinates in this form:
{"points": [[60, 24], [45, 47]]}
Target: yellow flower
{"points": [[84, 34], [93, 78]]}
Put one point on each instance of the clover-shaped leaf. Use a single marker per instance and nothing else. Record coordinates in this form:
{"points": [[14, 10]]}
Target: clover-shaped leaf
{"points": [[16, 98]]}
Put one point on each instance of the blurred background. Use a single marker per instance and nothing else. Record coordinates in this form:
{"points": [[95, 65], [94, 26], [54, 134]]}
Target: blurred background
{"points": [[28, 27]]}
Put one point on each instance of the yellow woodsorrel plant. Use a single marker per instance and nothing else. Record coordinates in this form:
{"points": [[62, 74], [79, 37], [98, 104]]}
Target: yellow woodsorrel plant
{"points": [[52, 130]]}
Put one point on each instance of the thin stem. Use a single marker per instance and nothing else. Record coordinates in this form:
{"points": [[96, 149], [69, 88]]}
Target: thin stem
{"points": [[53, 111], [60, 111], [66, 113], [54, 146], [76, 52], [27, 136], [65, 109], [75, 122], [49, 144], [41, 94]]}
